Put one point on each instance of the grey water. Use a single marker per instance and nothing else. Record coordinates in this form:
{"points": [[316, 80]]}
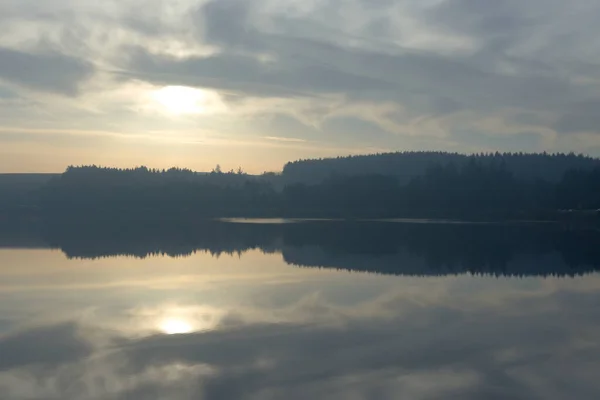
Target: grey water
{"points": [[299, 310]]}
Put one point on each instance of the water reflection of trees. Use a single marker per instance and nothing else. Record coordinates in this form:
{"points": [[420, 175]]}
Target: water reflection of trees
{"points": [[377, 247]]}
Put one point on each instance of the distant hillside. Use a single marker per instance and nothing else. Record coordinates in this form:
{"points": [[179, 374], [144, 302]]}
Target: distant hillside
{"points": [[407, 165], [494, 187], [19, 189]]}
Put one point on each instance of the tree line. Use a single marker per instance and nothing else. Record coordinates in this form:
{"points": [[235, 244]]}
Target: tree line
{"points": [[407, 165], [478, 187]]}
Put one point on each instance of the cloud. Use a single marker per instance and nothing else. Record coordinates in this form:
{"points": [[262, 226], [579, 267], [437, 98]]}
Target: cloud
{"points": [[580, 117], [284, 139], [47, 345], [262, 52], [421, 72], [47, 71]]}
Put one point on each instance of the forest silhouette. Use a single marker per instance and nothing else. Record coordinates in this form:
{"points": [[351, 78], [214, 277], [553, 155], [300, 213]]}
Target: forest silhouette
{"points": [[395, 185]]}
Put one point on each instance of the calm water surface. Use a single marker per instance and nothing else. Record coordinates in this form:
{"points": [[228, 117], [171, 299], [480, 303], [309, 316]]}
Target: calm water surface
{"points": [[300, 310]]}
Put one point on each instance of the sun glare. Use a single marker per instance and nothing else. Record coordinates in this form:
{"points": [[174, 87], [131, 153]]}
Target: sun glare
{"points": [[182, 99], [173, 326]]}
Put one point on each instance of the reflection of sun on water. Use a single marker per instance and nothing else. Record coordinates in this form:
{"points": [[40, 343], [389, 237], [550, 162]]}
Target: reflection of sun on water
{"points": [[174, 319], [174, 326]]}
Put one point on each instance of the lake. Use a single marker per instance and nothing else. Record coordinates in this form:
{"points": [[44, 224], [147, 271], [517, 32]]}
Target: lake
{"points": [[293, 309]]}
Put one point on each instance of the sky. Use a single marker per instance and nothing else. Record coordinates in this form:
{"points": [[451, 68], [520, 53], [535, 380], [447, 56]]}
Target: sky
{"points": [[255, 83]]}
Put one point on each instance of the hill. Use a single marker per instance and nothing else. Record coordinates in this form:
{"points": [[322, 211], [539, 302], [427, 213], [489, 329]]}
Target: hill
{"points": [[395, 185], [407, 165], [19, 189]]}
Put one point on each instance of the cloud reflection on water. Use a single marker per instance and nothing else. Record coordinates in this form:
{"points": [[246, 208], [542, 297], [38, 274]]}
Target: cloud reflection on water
{"points": [[512, 315], [462, 337]]}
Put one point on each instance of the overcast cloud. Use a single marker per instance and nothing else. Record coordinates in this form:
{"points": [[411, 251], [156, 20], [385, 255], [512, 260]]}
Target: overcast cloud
{"points": [[461, 75]]}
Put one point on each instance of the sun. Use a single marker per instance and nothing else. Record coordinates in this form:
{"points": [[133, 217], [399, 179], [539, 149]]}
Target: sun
{"points": [[174, 326], [181, 99]]}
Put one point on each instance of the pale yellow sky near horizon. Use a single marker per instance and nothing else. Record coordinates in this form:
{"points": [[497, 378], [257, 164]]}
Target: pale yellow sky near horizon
{"points": [[255, 156], [195, 83]]}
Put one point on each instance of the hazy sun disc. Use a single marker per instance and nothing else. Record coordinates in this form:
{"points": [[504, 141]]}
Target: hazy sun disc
{"points": [[181, 99], [173, 326]]}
